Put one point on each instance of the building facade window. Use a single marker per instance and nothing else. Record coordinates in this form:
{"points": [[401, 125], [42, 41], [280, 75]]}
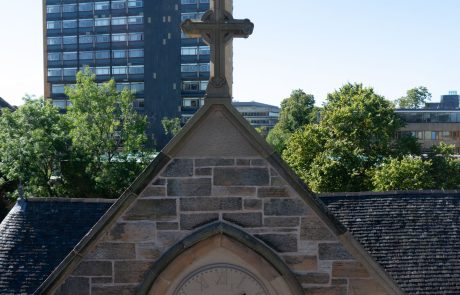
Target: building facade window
{"points": [[85, 6], [54, 56], [134, 53], [85, 55], [58, 89], [69, 24], [54, 40], [119, 54], [135, 3], [102, 54], [69, 7], [102, 6], [120, 70], [102, 22], [53, 9], [86, 23], [118, 4], [70, 72], [136, 69], [53, 25], [103, 71], [69, 55], [68, 40]]}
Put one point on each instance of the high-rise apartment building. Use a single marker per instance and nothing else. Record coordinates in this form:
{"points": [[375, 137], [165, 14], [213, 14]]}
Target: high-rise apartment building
{"points": [[137, 42]]}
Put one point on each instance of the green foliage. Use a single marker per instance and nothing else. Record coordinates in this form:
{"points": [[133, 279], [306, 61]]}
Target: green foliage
{"points": [[107, 134], [445, 168], [355, 133], [33, 142], [171, 126], [415, 98], [296, 111], [94, 150], [407, 173]]}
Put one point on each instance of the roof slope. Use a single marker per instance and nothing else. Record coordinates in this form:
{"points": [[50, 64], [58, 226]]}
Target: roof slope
{"points": [[415, 236], [32, 243]]}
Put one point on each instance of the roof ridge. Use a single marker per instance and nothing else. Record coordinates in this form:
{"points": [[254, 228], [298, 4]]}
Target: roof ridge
{"points": [[70, 200], [399, 193]]}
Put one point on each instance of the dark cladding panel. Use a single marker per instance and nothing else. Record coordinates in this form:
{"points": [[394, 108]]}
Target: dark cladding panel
{"points": [[162, 63]]}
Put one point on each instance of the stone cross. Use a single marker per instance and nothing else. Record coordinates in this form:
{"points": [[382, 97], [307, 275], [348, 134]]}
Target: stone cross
{"points": [[217, 27]]}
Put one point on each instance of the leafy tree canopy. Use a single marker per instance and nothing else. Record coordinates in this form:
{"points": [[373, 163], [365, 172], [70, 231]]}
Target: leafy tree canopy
{"points": [[297, 111], [33, 142], [415, 98], [356, 131]]}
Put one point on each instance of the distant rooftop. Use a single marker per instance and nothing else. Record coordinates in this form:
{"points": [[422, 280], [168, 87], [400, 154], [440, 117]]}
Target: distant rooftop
{"points": [[252, 104], [5, 104]]}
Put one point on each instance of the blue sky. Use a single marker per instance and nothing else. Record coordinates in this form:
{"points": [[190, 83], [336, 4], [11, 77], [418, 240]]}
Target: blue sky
{"points": [[391, 45]]}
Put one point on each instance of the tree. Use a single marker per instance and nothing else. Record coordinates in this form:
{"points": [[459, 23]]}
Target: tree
{"points": [[107, 134], [296, 111], [33, 142], [171, 126], [406, 173], [415, 98], [356, 132]]}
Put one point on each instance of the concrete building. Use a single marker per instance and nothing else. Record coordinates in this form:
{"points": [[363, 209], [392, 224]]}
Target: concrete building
{"points": [[258, 114], [137, 42], [436, 123]]}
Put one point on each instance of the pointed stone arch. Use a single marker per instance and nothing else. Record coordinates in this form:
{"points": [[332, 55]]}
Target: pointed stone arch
{"points": [[201, 244]]}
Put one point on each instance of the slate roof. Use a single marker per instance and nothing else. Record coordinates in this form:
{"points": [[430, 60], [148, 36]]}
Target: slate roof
{"points": [[36, 236], [415, 236]]}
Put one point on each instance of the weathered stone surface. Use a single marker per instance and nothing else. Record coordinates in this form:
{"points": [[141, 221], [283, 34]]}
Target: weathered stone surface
{"points": [[258, 162], [252, 204], [130, 271], [192, 221], [313, 229], [152, 209], [189, 187], [280, 242], [338, 282], [101, 280], [153, 191], [243, 162], [74, 285], [302, 263], [113, 251], [281, 221], [94, 269], [285, 207], [179, 168], [214, 162], [277, 181], [147, 251], [237, 191], [113, 290], [133, 232], [203, 171], [366, 286], [244, 219], [313, 278], [272, 192], [234, 176], [159, 181], [167, 225], [333, 251], [349, 269], [168, 238], [336, 290], [211, 204]]}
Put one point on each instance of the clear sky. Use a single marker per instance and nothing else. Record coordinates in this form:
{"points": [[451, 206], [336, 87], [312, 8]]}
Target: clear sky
{"points": [[391, 45]]}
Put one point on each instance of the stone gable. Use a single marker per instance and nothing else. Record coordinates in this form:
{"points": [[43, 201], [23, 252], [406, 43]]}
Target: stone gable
{"points": [[218, 170], [246, 192]]}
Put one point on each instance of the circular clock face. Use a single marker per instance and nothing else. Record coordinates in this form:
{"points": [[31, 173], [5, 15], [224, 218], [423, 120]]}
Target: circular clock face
{"points": [[221, 279]]}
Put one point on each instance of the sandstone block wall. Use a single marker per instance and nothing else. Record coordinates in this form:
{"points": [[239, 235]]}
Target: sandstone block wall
{"points": [[192, 192]]}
